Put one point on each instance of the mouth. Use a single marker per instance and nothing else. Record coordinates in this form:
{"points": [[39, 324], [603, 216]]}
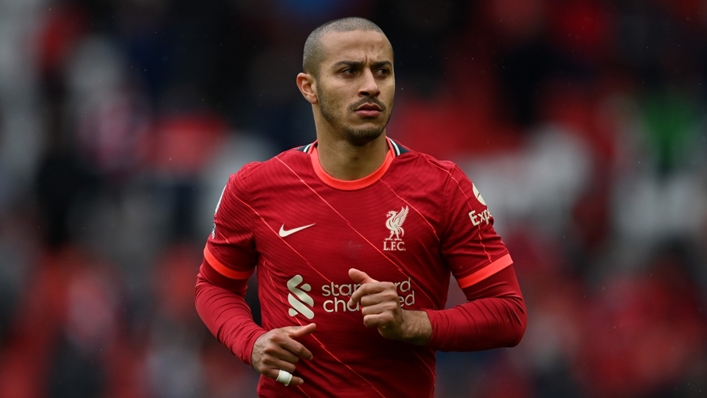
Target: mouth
{"points": [[369, 107], [369, 110]]}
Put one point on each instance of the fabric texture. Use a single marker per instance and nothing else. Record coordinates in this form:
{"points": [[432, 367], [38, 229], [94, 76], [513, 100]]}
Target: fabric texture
{"points": [[421, 221]]}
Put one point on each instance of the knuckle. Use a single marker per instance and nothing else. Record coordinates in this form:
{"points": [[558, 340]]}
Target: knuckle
{"points": [[277, 339], [298, 349], [269, 349], [390, 294]]}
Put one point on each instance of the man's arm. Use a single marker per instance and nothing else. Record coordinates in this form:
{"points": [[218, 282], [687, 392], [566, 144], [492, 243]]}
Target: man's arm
{"points": [[221, 304], [494, 315]]}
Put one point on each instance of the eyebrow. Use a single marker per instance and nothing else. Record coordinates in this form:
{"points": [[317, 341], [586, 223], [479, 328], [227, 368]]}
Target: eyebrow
{"points": [[359, 64]]}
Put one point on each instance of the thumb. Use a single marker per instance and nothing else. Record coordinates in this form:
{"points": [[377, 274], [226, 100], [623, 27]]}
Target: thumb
{"points": [[300, 331], [360, 276]]}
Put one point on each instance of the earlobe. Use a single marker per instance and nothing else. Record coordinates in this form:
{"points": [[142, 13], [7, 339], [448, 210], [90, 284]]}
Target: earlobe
{"points": [[305, 83]]}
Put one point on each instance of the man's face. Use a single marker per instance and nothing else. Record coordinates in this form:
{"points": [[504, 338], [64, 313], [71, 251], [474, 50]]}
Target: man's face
{"points": [[356, 84]]}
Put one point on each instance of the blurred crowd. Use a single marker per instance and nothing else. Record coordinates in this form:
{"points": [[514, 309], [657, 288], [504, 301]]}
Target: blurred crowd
{"points": [[582, 122]]}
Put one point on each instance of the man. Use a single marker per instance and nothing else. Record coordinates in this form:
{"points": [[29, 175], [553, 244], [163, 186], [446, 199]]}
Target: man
{"points": [[354, 237]]}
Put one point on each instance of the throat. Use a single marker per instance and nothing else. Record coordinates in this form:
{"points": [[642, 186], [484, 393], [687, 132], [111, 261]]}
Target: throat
{"points": [[348, 162]]}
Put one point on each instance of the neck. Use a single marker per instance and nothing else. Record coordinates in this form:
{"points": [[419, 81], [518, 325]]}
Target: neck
{"points": [[345, 161]]}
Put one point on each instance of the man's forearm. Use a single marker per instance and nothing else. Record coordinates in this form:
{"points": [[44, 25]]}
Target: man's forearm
{"points": [[494, 316], [481, 324], [228, 316]]}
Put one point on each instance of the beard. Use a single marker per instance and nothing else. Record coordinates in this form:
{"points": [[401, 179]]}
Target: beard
{"points": [[357, 136]]}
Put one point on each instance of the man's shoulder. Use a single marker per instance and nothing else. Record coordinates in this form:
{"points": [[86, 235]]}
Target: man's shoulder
{"points": [[254, 168], [255, 172], [414, 160]]}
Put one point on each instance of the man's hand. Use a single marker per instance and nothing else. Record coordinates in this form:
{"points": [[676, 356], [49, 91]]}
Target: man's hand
{"points": [[380, 307], [279, 349]]}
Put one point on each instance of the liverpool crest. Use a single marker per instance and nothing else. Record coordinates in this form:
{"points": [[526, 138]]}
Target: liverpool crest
{"points": [[394, 223]]}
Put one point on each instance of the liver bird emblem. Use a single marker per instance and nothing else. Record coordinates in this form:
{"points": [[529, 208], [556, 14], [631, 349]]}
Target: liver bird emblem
{"points": [[395, 223]]}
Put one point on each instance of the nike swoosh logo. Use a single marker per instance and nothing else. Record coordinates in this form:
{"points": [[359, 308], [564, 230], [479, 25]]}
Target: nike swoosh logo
{"points": [[287, 232]]}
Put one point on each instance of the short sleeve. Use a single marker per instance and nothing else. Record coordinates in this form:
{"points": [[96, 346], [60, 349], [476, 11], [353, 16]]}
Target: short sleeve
{"points": [[230, 248], [471, 247]]}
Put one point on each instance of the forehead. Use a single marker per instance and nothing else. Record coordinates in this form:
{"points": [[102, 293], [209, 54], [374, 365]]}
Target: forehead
{"points": [[356, 45]]}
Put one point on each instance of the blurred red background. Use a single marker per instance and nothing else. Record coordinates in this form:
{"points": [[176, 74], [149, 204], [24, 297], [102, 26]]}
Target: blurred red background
{"points": [[583, 123]]}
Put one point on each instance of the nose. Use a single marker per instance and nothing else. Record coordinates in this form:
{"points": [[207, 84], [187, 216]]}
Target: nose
{"points": [[369, 85]]}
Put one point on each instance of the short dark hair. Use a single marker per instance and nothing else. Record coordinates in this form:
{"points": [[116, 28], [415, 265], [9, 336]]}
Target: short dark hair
{"points": [[312, 55]]}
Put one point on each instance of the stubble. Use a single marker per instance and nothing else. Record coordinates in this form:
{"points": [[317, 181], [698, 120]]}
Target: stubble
{"points": [[357, 136]]}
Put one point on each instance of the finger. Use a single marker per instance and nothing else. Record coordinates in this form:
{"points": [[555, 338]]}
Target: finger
{"points": [[360, 276], [274, 372], [358, 294], [380, 297], [379, 320], [369, 289], [296, 381], [363, 291], [286, 355], [296, 348], [300, 331], [277, 348], [281, 345], [277, 363], [378, 308]]}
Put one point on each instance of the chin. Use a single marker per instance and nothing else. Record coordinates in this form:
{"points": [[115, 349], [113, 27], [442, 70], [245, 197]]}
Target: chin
{"points": [[360, 137]]}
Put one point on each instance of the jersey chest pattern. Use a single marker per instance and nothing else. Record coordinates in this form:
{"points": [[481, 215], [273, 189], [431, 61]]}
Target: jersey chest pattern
{"points": [[307, 234], [308, 243]]}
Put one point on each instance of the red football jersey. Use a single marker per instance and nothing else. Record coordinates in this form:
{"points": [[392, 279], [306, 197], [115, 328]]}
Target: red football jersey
{"points": [[412, 222]]}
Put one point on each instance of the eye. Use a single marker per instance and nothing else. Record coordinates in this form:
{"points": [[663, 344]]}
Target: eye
{"points": [[347, 71], [383, 71]]}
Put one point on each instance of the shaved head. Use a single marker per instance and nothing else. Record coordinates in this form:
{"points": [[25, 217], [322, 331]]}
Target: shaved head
{"points": [[313, 51]]}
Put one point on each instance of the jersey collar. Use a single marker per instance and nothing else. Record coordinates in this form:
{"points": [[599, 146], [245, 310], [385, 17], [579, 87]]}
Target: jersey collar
{"points": [[394, 150]]}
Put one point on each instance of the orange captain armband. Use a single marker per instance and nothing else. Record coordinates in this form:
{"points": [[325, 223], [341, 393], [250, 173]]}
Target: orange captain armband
{"points": [[222, 269], [485, 272]]}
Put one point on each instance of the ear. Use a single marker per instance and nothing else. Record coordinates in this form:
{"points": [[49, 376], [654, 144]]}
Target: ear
{"points": [[307, 86]]}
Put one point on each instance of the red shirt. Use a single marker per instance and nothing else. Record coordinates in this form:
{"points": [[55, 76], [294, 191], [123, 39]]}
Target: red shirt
{"points": [[414, 221]]}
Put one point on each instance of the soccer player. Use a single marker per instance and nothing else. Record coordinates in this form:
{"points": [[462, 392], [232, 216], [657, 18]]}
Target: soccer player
{"points": [[354, 238]]}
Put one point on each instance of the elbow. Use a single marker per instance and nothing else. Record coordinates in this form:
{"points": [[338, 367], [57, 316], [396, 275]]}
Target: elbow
{"points": [[516, 335], [520, 322]]}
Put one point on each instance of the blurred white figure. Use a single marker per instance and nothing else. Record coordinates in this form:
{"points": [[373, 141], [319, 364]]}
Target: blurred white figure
{"points": [[20, 124], [537, 184], [111, 116]]}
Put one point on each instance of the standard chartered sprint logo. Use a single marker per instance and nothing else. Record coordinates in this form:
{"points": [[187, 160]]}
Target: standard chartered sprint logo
{"points": [[336, 296]]}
